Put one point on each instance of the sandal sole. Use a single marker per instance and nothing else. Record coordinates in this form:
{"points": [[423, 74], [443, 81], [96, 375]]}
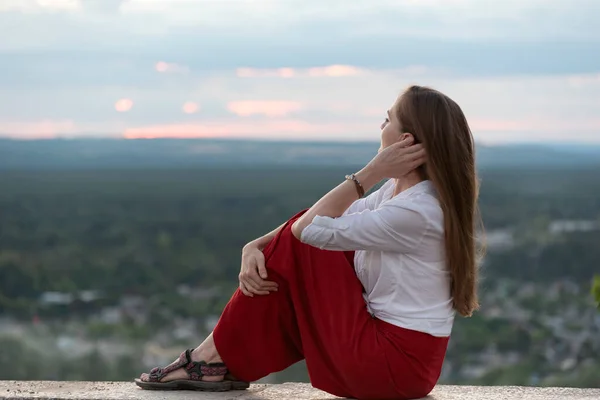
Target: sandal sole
{"points": [[201, 386], [239, 385]]}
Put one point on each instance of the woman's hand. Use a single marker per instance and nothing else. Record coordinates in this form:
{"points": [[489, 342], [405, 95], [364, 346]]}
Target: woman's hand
{"points": [[397, 160], [253, 273]]}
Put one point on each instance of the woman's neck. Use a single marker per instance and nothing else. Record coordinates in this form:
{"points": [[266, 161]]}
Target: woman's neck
{"points": [[407, 181]]}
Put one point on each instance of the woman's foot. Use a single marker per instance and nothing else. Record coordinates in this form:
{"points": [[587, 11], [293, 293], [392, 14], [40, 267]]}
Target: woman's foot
{"points": [[197, 369], [181, 373]]}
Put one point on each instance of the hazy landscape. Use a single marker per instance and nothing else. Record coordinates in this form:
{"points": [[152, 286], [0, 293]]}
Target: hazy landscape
{"points": [[189, 153], [115, 255]]}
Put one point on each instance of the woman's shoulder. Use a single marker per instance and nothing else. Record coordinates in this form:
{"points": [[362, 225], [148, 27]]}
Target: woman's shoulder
{"points": [[422, 194], [376, 198], [423, 201]]}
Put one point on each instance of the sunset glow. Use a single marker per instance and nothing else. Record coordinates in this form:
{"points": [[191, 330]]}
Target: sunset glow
{"points": [[335, 71], [164, 63], [550, 125], [45, 129], [272, 128], [266, 108], [331, 71]]}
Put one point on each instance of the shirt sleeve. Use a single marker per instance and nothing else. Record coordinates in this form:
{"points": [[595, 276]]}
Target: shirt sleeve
{"points": [[369, 202], [398, 227]]}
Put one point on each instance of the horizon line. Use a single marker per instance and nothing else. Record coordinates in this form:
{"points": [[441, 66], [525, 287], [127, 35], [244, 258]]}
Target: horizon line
{"points": [[282, 140]]}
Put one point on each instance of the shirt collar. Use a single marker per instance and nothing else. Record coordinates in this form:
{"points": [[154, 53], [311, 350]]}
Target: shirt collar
{"points": [[421, 187]]}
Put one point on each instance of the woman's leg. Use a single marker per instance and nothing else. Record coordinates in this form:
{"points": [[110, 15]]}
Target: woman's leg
{"points": [[318, 314], [271, 322]]}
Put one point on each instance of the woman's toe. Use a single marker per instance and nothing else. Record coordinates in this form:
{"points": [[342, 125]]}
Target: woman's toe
{"points": [[144, 377]]}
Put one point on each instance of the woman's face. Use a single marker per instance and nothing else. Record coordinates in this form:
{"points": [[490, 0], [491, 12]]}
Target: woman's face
{"points": [[391, 131]]}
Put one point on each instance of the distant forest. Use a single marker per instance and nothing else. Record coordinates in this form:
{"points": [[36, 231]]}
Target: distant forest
{"points": [[147, 231]]}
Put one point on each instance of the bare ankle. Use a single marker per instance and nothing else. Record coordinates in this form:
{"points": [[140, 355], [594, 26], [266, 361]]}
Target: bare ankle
{"points": [[207, 351], [207, 356]]}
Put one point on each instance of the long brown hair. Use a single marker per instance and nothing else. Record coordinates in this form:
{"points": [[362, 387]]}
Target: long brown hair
{"points": [[439, 123]]}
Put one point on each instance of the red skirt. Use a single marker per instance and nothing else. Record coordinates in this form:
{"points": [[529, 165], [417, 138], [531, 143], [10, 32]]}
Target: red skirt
{"points": [[319, 314]]}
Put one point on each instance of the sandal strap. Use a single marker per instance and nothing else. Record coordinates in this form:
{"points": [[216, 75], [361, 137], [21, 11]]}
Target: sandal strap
{"points": [[195, 369], [157, 373]]}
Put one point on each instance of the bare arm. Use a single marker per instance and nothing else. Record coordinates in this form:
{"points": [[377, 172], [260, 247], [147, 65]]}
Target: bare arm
{"points": [[393, 162], [253, 272], [264, 240], [334, 203]]}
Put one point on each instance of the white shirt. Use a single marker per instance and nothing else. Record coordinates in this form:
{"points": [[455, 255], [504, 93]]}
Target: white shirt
{"points": [[399, 258]]}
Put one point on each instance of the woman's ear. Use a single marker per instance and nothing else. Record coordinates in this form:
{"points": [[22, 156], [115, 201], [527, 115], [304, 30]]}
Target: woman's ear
{"points": [[406, 135]]}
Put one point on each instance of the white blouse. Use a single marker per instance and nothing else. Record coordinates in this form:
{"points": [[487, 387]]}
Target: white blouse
{"points": [[400, 256]]}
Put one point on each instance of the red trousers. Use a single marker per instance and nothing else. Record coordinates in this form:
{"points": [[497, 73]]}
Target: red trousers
{"points": [[319, 314]]}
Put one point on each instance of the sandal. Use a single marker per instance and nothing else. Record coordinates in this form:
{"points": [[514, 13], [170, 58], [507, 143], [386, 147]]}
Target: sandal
{"points": [[195, 370]]}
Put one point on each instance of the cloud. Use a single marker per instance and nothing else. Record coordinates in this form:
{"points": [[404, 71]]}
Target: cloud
{"points": [[582, 80], [95, 6], [247, 108], [123, 105], [441, 19], [289, 72], [37, 129], [285, 72], [269, 129], [102, 6], [334, 71], [469, 37], [57, 128], [508, 108], [285, 66], [28, 6], [190, 107], [173, 68], [548, 124]]}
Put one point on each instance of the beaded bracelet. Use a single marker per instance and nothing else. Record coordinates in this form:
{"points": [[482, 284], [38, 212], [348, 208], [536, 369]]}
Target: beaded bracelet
{"points": [[359, 187]]}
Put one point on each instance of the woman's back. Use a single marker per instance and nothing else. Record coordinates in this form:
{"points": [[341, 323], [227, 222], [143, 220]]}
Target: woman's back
{"points": [[409, 287]]}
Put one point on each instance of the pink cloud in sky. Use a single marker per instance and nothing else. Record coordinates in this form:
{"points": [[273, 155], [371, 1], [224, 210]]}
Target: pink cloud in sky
{"points": [[533, 124], [334, 71], [45, 129], [123, 105], [173, 68], [275, 125], [273, 129], [331, 71], [190, 107], [298, 129], [583, 80], [266, 73], [268, 108]]}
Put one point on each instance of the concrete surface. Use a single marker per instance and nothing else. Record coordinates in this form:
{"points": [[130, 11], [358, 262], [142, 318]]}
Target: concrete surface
{"points": [[11, 390]]}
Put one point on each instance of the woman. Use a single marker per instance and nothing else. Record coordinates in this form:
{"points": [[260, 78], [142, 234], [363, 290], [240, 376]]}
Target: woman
{"points": [[364, 290]]}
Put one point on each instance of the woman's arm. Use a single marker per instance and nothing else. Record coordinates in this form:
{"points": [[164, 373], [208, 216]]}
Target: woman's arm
{"points": [[264, 240], [368, 202], [395, 161], [334, 203]]}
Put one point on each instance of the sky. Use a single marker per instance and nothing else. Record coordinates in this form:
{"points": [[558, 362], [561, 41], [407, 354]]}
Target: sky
{"points": [[522, 70]]}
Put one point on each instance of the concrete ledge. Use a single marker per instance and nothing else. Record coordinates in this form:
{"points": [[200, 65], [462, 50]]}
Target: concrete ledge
{"points": [[11, 390]]}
